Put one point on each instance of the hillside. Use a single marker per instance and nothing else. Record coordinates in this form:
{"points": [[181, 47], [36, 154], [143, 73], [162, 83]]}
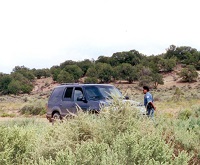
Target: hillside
{"points": [[11, 104], [171, 80]]}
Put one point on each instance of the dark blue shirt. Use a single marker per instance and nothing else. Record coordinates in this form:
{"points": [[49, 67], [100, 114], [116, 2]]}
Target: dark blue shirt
{"points": [[147, 98]]}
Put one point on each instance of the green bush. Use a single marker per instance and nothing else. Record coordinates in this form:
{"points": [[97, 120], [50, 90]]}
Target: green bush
{"points": [[104, 72], [15, 144], [55, 71], [91, 80], [14, 87], [36, 108], [197, 112], [185, 114], [75, 71], [41, 73], [15, 83], [188, 74], [65, 77], [118, 135], [4, 82], [125, 71], [24, 71], [92, 72], [7, 115], [178, 94]]}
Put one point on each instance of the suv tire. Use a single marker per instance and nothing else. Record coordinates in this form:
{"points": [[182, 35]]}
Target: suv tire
{"points": [[56, 116]]}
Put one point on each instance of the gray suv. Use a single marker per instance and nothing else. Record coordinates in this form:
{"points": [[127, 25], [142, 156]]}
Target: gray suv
{"points": [[89, 97]]}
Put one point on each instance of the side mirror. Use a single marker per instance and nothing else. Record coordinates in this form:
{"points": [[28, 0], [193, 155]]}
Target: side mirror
{"points": [[126, 97]]}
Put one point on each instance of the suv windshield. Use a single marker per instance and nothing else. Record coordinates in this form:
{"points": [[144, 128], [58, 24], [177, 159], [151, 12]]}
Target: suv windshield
{"points": [[102, 92]]}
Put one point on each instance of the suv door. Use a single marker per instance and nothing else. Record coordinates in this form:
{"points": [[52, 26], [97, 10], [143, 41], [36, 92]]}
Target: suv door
{"points": [[83, 104], [67, 104]]}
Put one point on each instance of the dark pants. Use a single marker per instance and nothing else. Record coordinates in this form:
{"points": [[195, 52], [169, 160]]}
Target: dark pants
{"points": [[150, 112]]}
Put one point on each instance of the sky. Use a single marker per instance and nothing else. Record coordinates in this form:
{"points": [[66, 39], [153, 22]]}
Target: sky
{"points": [[43, 33]]}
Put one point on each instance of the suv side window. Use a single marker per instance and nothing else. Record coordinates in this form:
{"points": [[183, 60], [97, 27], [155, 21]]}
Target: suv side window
{"points": [[56, 95], [78, 92], [68, 93]]}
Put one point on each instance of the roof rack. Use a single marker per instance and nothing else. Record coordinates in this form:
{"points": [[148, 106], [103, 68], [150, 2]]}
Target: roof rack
{"points": [[69, 83]]}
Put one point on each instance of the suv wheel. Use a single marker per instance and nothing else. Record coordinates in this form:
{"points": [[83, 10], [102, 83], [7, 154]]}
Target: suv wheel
{"points": [[56, 116]]}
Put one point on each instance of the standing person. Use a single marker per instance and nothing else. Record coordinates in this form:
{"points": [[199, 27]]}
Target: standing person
{"points": [[148, 102]]}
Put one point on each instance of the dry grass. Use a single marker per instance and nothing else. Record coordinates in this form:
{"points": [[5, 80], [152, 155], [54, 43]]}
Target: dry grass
{"points": [[173, 108], [10, 106]]}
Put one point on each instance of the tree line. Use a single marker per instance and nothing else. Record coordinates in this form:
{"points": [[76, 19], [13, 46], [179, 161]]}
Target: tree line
{"points": [[127, 65]]}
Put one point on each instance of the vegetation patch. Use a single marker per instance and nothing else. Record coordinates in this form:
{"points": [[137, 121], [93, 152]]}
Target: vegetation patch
{"points": [[33, 108], [7, 115], [118, 135]]}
